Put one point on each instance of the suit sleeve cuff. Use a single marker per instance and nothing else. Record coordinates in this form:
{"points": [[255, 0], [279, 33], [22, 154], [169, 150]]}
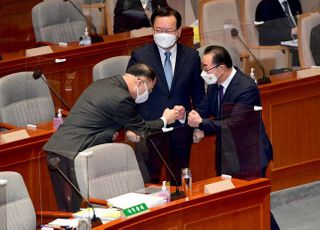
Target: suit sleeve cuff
{"points": [[164, 121]]}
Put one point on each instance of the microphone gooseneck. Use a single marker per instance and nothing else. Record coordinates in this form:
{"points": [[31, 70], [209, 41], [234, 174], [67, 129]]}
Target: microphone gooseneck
{"points": [[38, 74], [177, 194], [54, 164], [95, 37], [264, 80]]}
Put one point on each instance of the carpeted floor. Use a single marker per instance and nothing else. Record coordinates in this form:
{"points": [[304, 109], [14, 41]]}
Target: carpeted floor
{"points": [[297, 208]]}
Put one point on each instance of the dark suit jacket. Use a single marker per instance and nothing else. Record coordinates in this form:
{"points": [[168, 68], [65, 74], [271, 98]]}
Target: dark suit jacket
{"points": [[130, 15], [315, 44], [240, 131], [187, 86], [103, 108], [276, 27]]}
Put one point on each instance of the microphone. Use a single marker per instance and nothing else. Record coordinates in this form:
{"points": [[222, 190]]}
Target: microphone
{"points": [[264, 79], [95, 37], [177, 194], [54, 164], [38, 74]]}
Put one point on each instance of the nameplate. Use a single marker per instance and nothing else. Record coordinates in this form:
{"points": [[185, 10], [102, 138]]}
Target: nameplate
{"points": [[134, 210], [218, 186], [38, 51], [315, 71], [14, 136]]}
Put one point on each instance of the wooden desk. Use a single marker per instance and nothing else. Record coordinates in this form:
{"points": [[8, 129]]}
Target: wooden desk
{"points": [[245, 207], [291, 109], [27, 158], [71, 77]]}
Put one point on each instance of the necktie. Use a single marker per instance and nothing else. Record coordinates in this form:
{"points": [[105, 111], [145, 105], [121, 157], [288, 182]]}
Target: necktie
{"points": [[220, 97], [168, 68], [287, 12], [149, 5]]}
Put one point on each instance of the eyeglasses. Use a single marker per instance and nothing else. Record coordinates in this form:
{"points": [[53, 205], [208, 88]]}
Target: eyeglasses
{"points": [[207, 70], [164, 30]]}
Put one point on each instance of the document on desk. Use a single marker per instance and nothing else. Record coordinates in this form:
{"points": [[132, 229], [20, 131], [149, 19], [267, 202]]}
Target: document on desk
{"points": [[290, 43], [131, 199], [105, 214]]}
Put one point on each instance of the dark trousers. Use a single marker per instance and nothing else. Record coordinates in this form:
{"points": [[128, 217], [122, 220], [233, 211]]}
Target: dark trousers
{"points": [[67, 199], [174, 147]]}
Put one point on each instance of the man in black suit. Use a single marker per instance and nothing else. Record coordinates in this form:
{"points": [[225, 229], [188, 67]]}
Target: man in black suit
{"points": [[178, 83], [130, 14], [243, 148], [315, 44], [101, 111], [278, 24]]}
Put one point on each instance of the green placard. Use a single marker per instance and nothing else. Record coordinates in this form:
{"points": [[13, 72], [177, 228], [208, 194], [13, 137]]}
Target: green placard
{"points": [[135, 210]]}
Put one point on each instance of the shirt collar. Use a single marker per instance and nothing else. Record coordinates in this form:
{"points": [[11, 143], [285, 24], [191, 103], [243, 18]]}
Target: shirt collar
{"points": [[173, 51], [226, 83]]}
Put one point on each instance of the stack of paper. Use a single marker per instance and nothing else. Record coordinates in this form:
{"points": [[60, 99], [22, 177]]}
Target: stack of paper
{"points": [[105, 214], [131, 199]]}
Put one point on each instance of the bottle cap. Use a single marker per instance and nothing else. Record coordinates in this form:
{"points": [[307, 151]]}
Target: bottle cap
{"points": [[164, 187]]}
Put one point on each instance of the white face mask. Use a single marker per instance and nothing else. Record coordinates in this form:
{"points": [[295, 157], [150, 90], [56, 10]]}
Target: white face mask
{"points": [[164, 40], [209, 78], [141, 98]]}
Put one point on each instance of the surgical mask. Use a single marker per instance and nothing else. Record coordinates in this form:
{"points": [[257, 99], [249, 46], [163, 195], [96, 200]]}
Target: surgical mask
{"points": [[209, 78], [164, 40], [141, 98]]}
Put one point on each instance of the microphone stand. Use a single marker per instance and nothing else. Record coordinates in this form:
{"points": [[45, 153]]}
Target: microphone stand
{"points": [[95, 37], [177, 194], [54, 165], [264, 79], [38, 74]]}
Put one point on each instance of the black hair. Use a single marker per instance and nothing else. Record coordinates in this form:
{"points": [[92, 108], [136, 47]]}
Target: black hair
{"points": [[220, 55], [165, 12], [142, 70]]}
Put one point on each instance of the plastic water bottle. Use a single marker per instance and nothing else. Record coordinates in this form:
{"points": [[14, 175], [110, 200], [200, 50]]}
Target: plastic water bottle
{"points": [[186, 180], [252, 75], [85, 39], [57, 121]]}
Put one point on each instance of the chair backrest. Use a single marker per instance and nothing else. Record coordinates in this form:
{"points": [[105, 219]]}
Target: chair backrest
{"points": [[108, 170], [305, 24], [310, 5], [110, 67], [248, 16], [24, 100], [16, 207], [110, 5], [58, 21], [213, 14]]}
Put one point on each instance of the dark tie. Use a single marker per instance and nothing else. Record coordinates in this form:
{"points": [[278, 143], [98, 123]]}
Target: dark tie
{"points": [[220, 97], [168, 68], [287, 12]]}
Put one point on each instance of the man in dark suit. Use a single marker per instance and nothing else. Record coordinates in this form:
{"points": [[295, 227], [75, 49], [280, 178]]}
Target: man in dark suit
{"points": [[315, 44], [228, 110], [102, 110], [278, 24], [178, 83], [130, 14]]}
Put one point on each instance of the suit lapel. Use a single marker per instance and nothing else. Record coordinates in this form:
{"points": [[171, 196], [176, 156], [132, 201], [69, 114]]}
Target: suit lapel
{"points": [[231, 88], [179, 64]]}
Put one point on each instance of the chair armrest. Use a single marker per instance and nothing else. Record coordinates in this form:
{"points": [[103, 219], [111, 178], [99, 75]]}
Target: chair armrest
{"points": [[44, 217], [276, 47], [7, 126], [99, 202]]}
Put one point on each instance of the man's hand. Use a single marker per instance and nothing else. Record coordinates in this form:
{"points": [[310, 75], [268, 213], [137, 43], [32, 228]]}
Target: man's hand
{"points": [[182, 112], [131, 136], [170, 115], [194, 119], [198, 135], [115, 135]]}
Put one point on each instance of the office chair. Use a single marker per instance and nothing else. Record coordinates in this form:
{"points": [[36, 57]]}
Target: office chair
{"points": [[271, 57], [110, 67], [24, 100], [306, 23], [57, 21], [107, 170], [16, 204]]}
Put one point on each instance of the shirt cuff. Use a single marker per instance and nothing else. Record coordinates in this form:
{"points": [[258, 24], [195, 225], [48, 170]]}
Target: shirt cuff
{"points": [[164, 121], [183, 120]]}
